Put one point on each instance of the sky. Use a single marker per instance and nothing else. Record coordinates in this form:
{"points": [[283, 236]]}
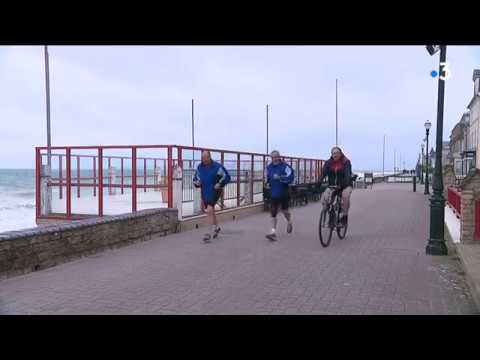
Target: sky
{"points": [[109, 95]]}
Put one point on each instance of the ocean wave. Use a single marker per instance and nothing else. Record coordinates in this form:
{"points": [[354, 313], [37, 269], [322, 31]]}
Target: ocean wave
{"points": [[18, 206], [24, 194]]}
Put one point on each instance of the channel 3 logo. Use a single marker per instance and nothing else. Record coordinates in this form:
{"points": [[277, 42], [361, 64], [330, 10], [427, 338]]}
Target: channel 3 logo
{"points": [[445, 70]]}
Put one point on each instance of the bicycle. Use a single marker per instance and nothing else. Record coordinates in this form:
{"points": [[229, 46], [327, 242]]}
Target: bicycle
{"points": [[330, 219]]}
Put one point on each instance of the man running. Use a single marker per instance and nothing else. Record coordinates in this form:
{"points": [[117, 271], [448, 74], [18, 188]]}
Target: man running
{"points": [[338, 169], [211, 177], [278, 175]]}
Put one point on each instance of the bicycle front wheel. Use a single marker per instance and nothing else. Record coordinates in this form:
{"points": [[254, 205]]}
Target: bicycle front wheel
{"points": [[325, 227], [342, 230]]}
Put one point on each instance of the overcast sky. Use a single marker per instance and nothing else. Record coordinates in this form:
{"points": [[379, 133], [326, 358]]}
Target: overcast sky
{"points": [[104, 95]]}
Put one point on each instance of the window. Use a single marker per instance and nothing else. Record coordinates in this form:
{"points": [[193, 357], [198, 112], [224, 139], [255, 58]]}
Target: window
{"points": [[458, 166]]}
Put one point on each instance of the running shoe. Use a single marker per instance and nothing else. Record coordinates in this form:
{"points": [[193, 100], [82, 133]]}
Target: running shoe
{"points": [[271, 237], [207, 237]]}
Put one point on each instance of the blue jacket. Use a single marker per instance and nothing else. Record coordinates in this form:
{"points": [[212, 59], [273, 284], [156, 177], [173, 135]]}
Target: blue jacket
{"points": [[208, 176], [279, 186]]}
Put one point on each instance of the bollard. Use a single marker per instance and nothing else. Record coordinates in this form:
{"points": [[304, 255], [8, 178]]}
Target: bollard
{"points": [[414, 184]]}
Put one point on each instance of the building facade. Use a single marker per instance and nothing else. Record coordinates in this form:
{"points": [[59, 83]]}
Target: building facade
{"points": [[446, 159], [473, 145], [459, 144]]}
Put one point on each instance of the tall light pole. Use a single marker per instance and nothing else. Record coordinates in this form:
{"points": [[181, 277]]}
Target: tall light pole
{"points": [[428, 125], [421, 173], [267, 128], [47, 91], [436, 242], [336, 112]]}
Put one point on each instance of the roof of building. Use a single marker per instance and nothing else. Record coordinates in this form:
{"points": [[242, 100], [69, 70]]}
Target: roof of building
{"points": [[476, 74], [475, 97]]}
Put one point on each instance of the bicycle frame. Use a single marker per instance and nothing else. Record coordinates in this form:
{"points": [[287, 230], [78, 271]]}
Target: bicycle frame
{"points": [[335, 204]]}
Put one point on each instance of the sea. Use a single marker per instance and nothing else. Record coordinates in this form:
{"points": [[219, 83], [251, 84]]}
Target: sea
{"points": [[17, 198]]}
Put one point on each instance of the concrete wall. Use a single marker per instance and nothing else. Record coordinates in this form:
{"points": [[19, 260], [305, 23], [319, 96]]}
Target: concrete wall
{"points": [[470, 187], [39, 248]]}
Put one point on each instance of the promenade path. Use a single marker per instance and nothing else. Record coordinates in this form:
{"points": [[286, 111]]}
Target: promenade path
{"points": [[379, 268]]}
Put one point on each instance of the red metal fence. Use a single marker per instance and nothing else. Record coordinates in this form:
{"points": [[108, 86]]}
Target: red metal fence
{"points": [[101, 180], [454, 199]]}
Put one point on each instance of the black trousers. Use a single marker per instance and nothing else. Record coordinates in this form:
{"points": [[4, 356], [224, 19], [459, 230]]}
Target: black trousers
{"points": [[276, 203]]}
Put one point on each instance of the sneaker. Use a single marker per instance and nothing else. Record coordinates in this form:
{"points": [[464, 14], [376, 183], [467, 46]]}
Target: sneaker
{"points": [[271, 237], [289, 228], [207, 237], [215, 232]]}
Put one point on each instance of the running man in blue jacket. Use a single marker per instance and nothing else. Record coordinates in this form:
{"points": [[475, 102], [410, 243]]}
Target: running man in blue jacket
{"points": [[211, 177], [278, 175]]}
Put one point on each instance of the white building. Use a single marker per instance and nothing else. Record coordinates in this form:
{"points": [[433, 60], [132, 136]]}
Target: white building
{"points": [[459, 144], [473, 139]]}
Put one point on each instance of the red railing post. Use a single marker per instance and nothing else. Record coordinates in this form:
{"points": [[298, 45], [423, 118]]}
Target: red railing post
{"points": [[134, 179], [297, 165], [145, 175], [238, 179], [38, 200], [94, 176], [121, 175], [100, 181], [180, 163], [60, 177], [252, 178], [222, 161], [304, 171], [170, 177], [78, 176], [311, 170], [69, 183]]}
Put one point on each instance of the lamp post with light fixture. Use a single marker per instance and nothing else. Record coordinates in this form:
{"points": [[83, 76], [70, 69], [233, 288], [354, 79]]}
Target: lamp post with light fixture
{"points": [[428, 125], [436, 242]]}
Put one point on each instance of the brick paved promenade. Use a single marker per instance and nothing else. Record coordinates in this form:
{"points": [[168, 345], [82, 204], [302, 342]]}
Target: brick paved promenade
{"points": [[380, 268]]}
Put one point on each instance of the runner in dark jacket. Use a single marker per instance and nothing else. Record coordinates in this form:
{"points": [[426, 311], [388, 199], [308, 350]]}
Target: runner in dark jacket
{"points": [[211, 177], [278, 175]]}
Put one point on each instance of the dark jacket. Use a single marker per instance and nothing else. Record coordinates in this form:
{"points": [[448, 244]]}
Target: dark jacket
{"points": [[339, 173], [284, 175], [207, 176]]}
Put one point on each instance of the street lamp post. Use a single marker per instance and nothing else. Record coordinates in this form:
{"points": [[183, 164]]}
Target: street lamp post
{"points": [[436, 242], [428, 125], [421, 173]]}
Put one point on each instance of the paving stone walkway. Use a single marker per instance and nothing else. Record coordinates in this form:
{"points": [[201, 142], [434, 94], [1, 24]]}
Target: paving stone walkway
{"points": [[379, 268]]}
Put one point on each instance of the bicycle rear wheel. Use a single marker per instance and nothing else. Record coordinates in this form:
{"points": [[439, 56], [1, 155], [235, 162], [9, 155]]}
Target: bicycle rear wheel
{"points": [[325, 227]]}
